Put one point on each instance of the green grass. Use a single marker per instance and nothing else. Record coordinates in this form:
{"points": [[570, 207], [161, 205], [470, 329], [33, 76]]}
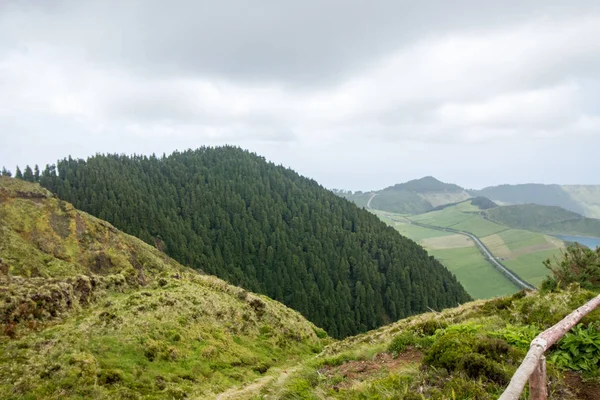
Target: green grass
{"points": [[400, 201], [478, 277], [188, 337], [479, 226], [446, 217], [460, 217], [529, 266], [546, 219], [87, 311], [418, 233], [516, 239], [469, 352]]}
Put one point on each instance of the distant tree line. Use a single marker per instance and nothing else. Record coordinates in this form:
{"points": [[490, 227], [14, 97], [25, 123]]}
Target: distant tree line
{"points": [[30, 175], [264, 227]]}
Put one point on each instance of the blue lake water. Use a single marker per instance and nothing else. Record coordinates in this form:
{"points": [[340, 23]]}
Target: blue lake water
{"points": [[591, 242]]}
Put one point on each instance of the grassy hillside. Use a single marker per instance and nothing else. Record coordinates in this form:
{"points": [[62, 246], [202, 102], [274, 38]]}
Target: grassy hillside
{"points": [[463, 216], [413, 197], [87, 311], [468, 352], [427, 184], [548, 219], [401, 202], [588, 196], [360, 199], [231, 213], [572, 198], [520, 250]]}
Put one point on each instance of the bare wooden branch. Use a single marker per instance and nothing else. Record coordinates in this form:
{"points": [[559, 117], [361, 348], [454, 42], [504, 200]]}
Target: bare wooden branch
{"points": [[520, 378], [537, 383], [555, 333], [540, 344]]}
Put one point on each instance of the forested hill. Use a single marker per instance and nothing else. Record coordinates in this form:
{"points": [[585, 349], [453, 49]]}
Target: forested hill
{"points": [[264, 227]]}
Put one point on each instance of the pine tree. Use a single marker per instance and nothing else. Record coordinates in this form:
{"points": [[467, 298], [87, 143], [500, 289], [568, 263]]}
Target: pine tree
{"points": [[28, 174], [6, 172], [18, 173], [263, 227]]}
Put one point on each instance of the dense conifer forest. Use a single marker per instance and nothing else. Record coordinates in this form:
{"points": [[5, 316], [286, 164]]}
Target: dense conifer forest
{"points": [[264, 227]]}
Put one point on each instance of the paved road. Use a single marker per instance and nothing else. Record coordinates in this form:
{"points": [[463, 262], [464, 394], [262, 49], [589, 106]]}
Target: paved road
{"points": [[489, 256]]}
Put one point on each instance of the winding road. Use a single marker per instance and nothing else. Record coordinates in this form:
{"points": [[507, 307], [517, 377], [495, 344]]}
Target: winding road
{"points": [[487, 253], [369, 202], [514, 278]]}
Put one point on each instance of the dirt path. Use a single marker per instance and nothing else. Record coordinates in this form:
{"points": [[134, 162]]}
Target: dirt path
{"points": [[277, 375]]}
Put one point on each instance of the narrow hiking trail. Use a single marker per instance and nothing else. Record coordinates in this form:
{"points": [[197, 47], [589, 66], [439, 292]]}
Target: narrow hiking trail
{"points": [[278, 377]]}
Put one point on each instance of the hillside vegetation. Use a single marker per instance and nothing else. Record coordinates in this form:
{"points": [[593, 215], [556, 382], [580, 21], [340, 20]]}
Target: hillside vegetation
{"points": [[469, 352], [87, 311], [581, 199], [548, 219], [413, 197], [459, 254], [264, 227], [521, 251]]}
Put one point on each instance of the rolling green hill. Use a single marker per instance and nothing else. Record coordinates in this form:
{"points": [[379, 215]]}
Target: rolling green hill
{"points": [[401, 202], [87, 311], [581, 199], [413, 197], [263, 227], [547, 219]]}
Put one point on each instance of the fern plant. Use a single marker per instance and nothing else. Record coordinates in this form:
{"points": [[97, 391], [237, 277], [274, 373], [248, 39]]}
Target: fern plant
{"points": [[579, 350]]}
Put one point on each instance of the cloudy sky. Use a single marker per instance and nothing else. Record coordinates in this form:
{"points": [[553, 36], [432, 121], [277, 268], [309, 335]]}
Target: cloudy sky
{"points": [[355, 94]]}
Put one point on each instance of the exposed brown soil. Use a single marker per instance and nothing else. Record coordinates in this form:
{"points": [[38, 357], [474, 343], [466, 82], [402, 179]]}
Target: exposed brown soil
{"points": [[356, 371], [583, 390]]}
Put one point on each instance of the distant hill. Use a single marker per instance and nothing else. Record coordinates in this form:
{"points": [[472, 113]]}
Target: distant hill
{"points": [[401, 202], [582, 199], [264, 227], [413, 197], [427, 184], [422, 195], [547, 219], [87, 311]]}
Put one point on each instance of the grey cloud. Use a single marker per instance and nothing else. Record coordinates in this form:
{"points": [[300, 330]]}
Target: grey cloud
{"points": [[308, 42], [356, 94]]}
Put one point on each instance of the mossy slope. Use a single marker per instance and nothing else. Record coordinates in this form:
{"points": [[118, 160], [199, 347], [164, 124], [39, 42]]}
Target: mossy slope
{"points": [[89, 312], [469, 352]]}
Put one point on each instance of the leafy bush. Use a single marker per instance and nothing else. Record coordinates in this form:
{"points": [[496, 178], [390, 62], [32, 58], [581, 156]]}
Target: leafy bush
{"points": [[467, 329], [321, 334], [578, 265], [406, 339], [429, 327], [519, 336], [475, 355], [579, 350]]}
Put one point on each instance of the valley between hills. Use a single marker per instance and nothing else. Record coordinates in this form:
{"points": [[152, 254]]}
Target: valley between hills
{"points": [[441, 217], [213, 274]]}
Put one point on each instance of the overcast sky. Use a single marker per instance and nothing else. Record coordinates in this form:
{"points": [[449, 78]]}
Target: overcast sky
{"points": [[355, 94]]}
